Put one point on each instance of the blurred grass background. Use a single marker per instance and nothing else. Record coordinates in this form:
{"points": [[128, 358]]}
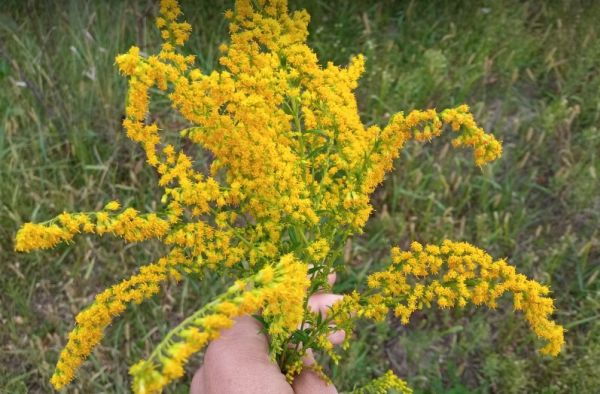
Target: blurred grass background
{"points": [[528, 69]]}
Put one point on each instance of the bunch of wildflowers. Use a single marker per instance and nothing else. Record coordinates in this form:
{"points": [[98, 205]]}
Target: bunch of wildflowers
{"points": [[291, 180]]}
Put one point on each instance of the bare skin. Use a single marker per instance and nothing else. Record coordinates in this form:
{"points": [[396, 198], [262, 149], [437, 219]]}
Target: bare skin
{"points": [[238, 362]]}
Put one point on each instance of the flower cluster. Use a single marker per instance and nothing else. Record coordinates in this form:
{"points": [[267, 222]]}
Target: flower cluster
{"points": [[383, 385], [277, 291], [291, 173], [454, 275], [129, 225], [92, 321]]}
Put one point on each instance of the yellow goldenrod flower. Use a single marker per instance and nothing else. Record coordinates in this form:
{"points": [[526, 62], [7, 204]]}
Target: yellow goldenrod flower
{"points": [[112, 206], [291, 179], [36, 236], [92, 321], [383, 385], [454, 275], [275, 289]]}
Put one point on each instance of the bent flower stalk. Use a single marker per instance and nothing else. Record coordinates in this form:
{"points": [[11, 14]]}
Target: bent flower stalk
{"points": [[291, 179]]}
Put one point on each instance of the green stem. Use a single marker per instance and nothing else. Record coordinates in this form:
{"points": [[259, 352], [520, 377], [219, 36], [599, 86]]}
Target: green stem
{"points": [[184, 324]]}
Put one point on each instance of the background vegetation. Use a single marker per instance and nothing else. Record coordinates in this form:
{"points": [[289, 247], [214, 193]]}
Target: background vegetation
{"points": [[529, 70]]}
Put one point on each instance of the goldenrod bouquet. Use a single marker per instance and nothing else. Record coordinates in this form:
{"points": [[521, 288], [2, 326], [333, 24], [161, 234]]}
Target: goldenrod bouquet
{"points": [[291, 175]]}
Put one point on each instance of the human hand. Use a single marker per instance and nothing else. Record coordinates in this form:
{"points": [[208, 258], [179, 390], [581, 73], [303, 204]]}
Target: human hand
{"points": [[238, 362]]}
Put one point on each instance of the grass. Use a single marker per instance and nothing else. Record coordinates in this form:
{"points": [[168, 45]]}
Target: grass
{"points": [[529, 71]]}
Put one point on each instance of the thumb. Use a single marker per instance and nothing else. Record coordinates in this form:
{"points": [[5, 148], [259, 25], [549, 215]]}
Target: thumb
{"points": [[309, 382], [238, 362]]}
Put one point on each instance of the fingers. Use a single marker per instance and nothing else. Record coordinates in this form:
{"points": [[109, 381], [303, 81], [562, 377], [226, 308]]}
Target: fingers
{"points": [[309, 382], [321, 302], [337, 337], [238, 362], [331, 278], [198, 385]]}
